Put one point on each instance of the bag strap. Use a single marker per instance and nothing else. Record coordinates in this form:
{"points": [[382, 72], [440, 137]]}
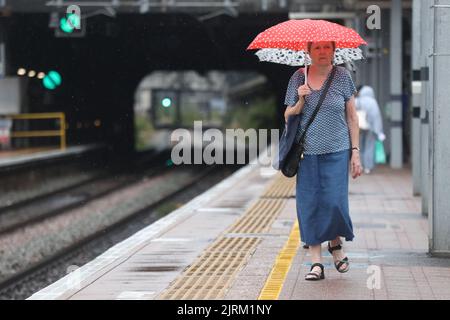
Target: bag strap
{"points": [[301, 138]]}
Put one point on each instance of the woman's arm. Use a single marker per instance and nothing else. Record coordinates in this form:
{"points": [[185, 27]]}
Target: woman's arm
{"points": [[298, 107], [295, 109], [352, 121]]}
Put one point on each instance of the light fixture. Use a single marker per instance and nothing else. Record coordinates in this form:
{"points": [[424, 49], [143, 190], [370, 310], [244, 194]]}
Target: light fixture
{"points": [[21, 71]]}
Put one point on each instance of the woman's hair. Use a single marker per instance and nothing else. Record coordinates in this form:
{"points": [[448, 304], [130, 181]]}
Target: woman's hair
{"points": [[332, 43]]}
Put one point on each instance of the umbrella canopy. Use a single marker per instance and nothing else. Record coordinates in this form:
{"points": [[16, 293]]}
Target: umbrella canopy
{"points": [[295, 35], [287, 42]]}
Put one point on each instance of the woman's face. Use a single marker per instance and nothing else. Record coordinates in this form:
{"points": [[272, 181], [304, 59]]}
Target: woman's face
{"points": [[322, 53]]}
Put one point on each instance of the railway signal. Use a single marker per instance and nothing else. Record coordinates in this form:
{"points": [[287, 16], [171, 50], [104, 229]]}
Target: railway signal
{"points": [[52, 80]]}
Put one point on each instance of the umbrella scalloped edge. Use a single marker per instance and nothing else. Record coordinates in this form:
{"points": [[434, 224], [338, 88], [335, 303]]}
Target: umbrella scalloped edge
{"points": [[300, 57]]}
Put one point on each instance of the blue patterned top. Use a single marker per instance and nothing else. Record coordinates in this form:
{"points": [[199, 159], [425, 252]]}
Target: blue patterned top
{"points": [[329, 131]]}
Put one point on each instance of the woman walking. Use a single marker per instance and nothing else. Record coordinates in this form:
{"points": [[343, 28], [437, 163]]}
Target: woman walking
{"points": [[332, 141]]}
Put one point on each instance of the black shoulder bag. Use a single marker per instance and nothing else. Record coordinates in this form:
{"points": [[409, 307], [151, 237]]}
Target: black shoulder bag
{"points": [[295, 154]]}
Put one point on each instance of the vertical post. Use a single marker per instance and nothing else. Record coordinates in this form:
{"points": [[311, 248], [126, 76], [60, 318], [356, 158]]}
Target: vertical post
{"points": [[178, 106], [416, 87], [440, 131], [396, 159], [2, 60], [2, 50], [62, 126], [264, 5], [426, 41]]}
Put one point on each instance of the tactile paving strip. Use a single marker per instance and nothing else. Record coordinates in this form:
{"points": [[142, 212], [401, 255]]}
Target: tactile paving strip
{"points": [[210, 275], [259, 217], [282, 187]]}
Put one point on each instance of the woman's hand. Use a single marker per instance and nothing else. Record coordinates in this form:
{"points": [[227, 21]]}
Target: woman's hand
{"points": [[298, 107], [303, 90], [355, 164]]}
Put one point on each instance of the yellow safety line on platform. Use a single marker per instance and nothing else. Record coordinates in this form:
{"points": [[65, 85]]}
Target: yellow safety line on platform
{"points": [[275, 281]]}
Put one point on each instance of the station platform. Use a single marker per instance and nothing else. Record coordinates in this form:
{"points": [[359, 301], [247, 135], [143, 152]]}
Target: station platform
{"points": [[24, 156], [240, 241]]}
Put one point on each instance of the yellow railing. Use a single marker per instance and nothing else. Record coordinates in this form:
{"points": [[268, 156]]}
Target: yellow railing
{"points": [[42, 133]]}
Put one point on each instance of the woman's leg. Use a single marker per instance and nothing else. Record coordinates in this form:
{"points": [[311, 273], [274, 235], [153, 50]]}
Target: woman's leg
{"points": [[316, 257], [336, 242], [338, 255]]}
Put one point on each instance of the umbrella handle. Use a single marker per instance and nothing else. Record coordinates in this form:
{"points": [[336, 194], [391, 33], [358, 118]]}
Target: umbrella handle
{"points": [[306, 74]]}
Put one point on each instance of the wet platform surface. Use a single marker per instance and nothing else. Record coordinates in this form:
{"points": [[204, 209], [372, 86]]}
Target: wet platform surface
{"points": [[240, 240]]}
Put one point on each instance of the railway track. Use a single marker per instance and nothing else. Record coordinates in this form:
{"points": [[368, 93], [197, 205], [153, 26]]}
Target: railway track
{"points": [[58, 202], [58, 259], [50, 204]]}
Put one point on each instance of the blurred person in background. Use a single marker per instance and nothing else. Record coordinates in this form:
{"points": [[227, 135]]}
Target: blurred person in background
{"points": [[370, 124]]}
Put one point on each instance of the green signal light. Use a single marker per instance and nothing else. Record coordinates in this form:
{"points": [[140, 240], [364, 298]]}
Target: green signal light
{"points": [[74, 20], [55, 76], [65, 26], [166, 102], [48, 84], [70, 23], [52, 80]]}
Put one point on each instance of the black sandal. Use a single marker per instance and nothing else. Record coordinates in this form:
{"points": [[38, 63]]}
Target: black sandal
{"points": [[340, 263], [315, 275]]}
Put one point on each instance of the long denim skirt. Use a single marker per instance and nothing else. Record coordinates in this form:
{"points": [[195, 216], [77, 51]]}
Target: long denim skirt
{"points": [[322, 198]]}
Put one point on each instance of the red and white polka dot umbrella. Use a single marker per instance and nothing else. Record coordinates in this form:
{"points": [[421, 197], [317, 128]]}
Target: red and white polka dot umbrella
{"points": [[295, 35], [287, 42]]}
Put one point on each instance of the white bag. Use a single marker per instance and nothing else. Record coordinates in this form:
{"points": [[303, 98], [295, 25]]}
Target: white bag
{"points": [[362, 120]]}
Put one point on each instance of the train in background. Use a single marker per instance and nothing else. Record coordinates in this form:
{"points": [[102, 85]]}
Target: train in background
{"points": [[166, 101]]}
